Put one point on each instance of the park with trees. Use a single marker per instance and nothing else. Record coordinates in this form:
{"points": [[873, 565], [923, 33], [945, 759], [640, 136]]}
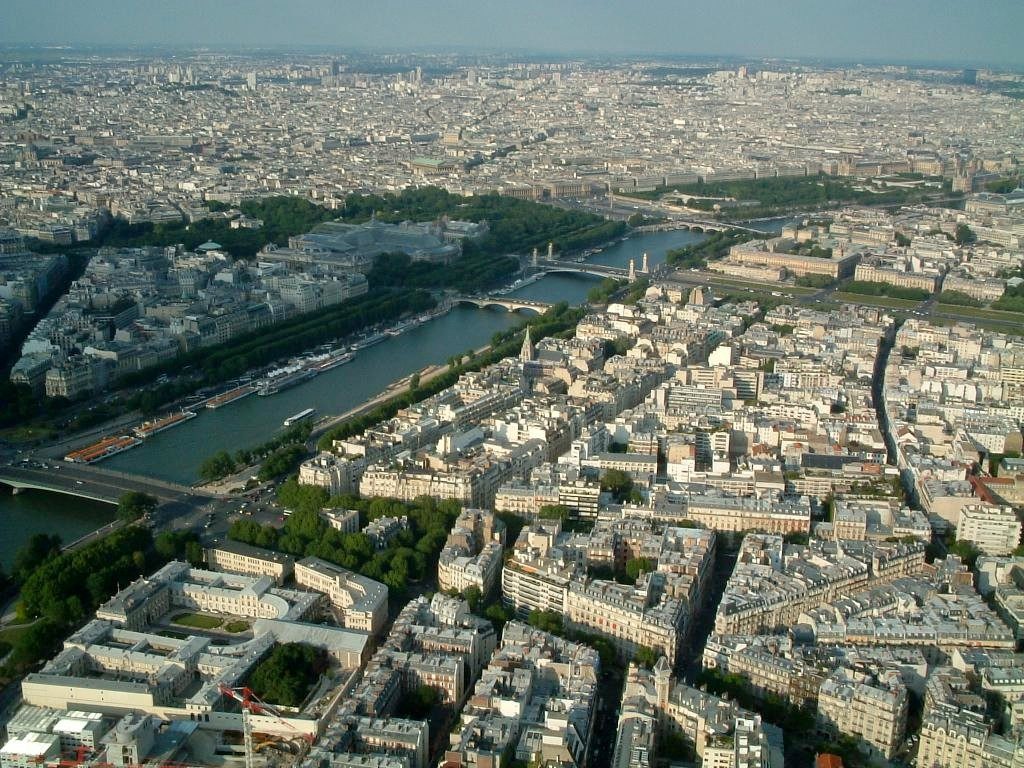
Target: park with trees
{"points": [[410, 556]]}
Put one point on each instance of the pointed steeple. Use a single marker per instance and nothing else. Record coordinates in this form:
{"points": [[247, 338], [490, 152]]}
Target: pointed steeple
{"points": [[526, 353]]}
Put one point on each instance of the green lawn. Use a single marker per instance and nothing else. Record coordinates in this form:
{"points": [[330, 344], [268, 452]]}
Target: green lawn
{"points": [[9, 636], [198, 621], [876, 301], [237, 626], [981, 312], [1011, 329]]}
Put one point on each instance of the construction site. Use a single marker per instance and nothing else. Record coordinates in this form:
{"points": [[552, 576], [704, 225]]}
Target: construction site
{"points": [[160, 678]]}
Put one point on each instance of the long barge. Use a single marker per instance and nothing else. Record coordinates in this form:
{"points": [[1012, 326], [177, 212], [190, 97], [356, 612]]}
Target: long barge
{"points": [[150, 428], [230, 396], [308, 413], [369, 341], [283, 378], [108, 446], [329, 360]]}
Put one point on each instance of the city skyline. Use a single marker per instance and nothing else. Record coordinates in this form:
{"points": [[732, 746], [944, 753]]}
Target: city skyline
{"points": [[917, 31], [430, 394]]}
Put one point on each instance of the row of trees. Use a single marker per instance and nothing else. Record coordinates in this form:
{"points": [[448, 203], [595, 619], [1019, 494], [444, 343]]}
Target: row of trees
{"points": [[717, 245], [216, 364], [556, 320], [866, 288], [603, 291], [281, 453], [776, 195], [65, 587], [1012, 299], [958, 298], [515, 226], [551, 621]]}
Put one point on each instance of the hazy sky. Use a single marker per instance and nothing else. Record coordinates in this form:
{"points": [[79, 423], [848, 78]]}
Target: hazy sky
{"points": [[955, 31]]}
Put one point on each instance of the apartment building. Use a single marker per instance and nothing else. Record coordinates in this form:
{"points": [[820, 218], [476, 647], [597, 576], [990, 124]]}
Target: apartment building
{"points": [[872, 708], [993, 529], [472, 554], [361, 602], [236, 557]]}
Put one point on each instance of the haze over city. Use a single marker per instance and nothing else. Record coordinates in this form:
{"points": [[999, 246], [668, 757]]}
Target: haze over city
{"points": [[872, 30], [511, 385]]}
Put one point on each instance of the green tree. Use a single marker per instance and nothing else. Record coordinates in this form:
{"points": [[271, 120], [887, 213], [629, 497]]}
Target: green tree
{"points": [[42, 639], [302, 498], [618, 483], [194, 553], [645, 657], [548, 621], [133, 505], [217, 466], [637, 565], [964, 235], [419, 703], [499, 615], [472, 595], [554, 512], [38, 549], [966, 552], [287, 675]]}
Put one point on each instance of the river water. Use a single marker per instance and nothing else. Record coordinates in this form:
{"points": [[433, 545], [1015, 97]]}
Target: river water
{"points": [[176, 454]]}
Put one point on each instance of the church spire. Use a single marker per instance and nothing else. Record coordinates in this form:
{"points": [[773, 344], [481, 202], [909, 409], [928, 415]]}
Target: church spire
{"points": [[526, 353]]}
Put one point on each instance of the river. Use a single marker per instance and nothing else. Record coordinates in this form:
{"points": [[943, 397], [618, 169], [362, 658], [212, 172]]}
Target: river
{"points": [[177, 453]]}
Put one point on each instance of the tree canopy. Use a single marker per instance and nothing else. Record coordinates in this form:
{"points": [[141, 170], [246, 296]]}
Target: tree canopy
{"points": [[134, 504], [409, 556], [287, 675], [618, 483]]}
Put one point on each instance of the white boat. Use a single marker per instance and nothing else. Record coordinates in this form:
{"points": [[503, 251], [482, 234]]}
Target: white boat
{"points": [[300, 416]]}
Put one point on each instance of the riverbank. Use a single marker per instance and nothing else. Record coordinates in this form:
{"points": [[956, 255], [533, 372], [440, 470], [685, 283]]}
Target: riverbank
{"points": [[238, 480], [175, 455]]}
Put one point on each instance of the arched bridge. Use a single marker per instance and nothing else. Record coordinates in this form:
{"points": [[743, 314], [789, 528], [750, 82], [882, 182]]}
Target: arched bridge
{"points": [[581, 268], [88, 482], [512, 304], [696, 225]]}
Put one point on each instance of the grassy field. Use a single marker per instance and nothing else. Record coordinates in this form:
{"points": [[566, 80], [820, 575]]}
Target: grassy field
{"points": [[237, 626], [1011, 328], [9, 636], [876, 301], [982, 313], [198, 620]]}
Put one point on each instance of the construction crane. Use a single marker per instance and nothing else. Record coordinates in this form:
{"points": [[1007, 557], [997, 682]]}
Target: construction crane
{"points": [[251, 705]]}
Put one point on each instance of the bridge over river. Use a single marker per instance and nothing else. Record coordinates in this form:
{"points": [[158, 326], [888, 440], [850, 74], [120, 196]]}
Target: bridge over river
{"points": [[511, 304], [88, 482]]}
